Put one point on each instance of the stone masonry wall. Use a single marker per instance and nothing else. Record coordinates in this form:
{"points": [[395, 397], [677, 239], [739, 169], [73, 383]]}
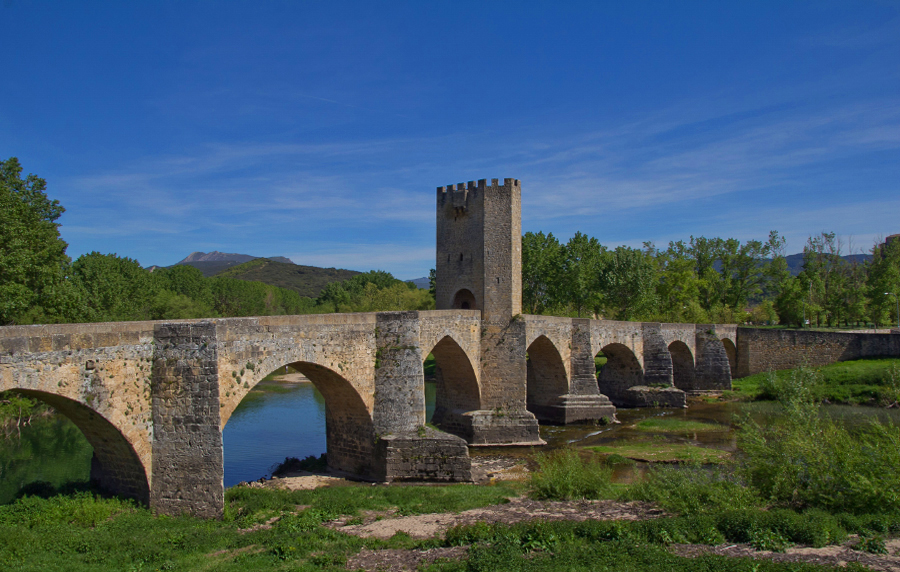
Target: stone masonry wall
{"points": [[712, 370], [98, 375], [187, 437], [768, 350], [502, 249], [460, 243]]}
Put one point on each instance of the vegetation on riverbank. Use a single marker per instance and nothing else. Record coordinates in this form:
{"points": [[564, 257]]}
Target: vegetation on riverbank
{"points": [[858, 382]]}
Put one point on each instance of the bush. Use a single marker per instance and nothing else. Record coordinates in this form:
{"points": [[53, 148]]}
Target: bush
{"points": [[692, 489], [811, 461], [564, 475]]}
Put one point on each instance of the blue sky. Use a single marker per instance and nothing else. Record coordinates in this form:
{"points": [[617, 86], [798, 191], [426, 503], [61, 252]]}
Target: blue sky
{"points": [[319, 131]]}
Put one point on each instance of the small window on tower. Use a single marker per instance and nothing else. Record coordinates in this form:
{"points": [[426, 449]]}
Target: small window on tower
{"points": [[460, 256]]}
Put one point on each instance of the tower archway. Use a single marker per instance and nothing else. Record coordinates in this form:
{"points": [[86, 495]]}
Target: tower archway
{"points": [[465, 300]]}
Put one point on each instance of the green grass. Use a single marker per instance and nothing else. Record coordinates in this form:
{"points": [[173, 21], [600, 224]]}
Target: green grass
{"points": [[863, 382], [83, 532], [565, 475], [675, 425], [662, 452]]}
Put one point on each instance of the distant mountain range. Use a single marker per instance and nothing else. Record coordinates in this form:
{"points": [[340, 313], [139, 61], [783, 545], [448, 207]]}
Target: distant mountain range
{"points": [[795, 261], [275, 270]]}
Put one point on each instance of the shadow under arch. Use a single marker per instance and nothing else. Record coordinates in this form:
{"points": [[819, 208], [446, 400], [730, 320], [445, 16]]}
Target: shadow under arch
{"points": [[115, 465], [682, 365], [621, 372], [731, 352], [349, 432], [456, 388], [546, 379], [464, 300]]}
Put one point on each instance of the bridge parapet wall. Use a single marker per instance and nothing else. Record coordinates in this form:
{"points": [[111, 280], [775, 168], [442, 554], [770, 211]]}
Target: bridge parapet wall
{"points": [[762, 350]]}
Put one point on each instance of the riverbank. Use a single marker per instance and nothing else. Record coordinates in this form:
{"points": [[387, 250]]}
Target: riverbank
{"points": [[871, 382]]}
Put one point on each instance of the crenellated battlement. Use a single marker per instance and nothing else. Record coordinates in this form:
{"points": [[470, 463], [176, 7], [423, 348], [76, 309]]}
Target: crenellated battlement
{"points": [[459, 193], [480, 184]]}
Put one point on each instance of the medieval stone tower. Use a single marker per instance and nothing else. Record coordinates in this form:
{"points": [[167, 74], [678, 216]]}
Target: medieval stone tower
{"points": [[479, 267], [479, 248]]}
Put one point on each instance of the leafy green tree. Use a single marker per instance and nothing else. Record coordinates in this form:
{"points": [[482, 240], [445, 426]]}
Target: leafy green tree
{"points": [[33, 261], [678, 287], [742, 269], [628, 282], [541, 264], [579, 273], [187, 281], [706, 252], [115, 288], [884, 276]]}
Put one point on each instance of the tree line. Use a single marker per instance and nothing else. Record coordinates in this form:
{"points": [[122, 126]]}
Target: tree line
{"points": [[39, 283], [702, 280], [710, 280]]}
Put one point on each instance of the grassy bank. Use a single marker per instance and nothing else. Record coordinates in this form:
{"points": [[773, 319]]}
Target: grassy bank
{"points": [[859, 382]]}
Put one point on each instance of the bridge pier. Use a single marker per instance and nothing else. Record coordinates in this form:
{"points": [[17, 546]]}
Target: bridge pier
{"points": [[188, 466], [580, 401], [405, 449], [713, 369]]}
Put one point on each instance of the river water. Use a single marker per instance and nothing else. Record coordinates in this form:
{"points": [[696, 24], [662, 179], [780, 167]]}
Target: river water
{"points": [[278, 420]]}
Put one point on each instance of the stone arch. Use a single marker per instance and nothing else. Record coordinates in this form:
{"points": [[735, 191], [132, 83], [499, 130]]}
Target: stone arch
{"points": [[465, 300], [682, 365], [457, 387], [547, 379], [621, 371], [731, 352], [115, 465], [349, 432]]}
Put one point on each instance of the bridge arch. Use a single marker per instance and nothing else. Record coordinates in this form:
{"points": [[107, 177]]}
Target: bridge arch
{"points": [[621, 371], [731, 352], [349, 432], [116, 466], [547, 380], [457, 390], [682, 365]]}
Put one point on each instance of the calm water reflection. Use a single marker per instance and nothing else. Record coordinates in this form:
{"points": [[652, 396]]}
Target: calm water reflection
{"points": [[51, 449]]}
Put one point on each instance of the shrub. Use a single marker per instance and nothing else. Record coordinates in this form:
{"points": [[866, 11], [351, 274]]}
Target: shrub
{"points": [[692, 489], [812, 461], [564, 475]]}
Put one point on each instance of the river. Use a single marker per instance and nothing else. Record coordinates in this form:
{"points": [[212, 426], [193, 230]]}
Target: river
{"points": [[278, 420]]}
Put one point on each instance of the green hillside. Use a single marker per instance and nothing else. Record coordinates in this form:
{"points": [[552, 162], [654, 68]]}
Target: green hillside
{"points": [[305, 280]]}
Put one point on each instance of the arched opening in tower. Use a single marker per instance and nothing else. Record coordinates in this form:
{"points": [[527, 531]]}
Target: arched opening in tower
{"points": [[67, 444], [464, 300], [546, 379], [300, 410]]}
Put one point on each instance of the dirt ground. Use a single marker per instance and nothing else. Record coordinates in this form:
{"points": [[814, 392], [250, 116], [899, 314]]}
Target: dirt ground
{"points": [[384, 524]]}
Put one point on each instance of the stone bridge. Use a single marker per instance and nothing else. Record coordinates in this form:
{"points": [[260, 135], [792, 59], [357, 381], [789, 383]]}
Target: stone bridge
{"points": [[152, 398]]}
